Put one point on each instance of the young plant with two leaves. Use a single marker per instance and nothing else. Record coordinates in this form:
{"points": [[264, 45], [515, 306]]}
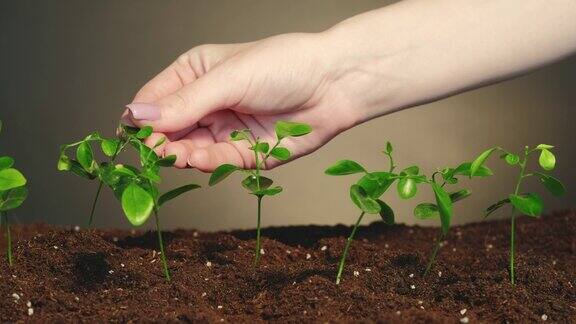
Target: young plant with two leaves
{"points": [[135, 188], [366, 194], [529, 204], [254, 182], [13, 192]]}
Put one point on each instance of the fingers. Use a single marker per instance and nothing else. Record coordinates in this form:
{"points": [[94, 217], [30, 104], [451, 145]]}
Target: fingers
{"points": [[209, 158], [214, 91]]}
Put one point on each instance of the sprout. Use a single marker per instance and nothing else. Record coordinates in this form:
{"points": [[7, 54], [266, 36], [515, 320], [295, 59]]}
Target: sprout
{"points": [[136, 188], [366, 194], [13, 192], [255, 183], [529, 204]]}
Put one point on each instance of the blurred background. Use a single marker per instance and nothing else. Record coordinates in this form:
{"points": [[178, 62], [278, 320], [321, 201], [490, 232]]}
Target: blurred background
{"points": [[69, 67]]}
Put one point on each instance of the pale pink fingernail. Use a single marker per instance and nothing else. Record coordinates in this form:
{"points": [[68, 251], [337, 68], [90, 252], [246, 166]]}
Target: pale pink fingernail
{"points": [[144, 111], [198, 157]]}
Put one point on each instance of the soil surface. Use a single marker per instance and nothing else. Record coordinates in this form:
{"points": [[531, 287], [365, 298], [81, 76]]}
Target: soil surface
{"points": [[67, 275]]}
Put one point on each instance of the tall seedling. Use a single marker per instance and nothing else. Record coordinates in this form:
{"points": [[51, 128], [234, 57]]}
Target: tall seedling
{"points": [[529, 204], [135, 188], [13, 192], [255, 183]]}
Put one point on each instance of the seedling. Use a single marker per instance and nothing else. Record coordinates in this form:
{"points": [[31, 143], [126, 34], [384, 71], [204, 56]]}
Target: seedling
{"points": [[255, 183], [366, 194], [529, 204], [135, 188], [13, 192]]}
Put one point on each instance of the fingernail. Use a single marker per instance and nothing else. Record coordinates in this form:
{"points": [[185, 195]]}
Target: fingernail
{"points": [[144, 111], [198, 157]]}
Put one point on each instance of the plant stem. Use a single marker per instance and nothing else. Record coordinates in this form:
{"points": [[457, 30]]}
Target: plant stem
{"points": [[161, 244], [257, 257], [513, 220], [94, 203], [432, 259], [8, 239], [345, 253]]}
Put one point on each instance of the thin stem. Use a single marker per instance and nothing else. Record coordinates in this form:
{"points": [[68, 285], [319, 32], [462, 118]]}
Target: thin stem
{"points": [[161, 244], [435, 250], [119, 148], [94, 203], [257, 257], [392, 166], [8, 239], [513, 220], [345, 253]]}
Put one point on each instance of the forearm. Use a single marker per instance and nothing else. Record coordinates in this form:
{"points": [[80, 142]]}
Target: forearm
{"points": [[417, 51]]}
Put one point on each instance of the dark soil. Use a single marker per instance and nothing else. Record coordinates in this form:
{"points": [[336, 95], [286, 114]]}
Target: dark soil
{"points": [[97, 276]]}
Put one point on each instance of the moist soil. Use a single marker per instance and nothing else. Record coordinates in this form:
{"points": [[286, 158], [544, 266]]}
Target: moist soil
{"points": [[67, 275]]}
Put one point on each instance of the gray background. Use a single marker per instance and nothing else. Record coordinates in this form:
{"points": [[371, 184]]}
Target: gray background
{"points": [[68, 68]]}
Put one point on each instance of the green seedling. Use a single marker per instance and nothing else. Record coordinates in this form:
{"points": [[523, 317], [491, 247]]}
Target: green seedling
{"points": [[366, 194], [135, 188], [254, 182], [529, 204], [13, 192]]}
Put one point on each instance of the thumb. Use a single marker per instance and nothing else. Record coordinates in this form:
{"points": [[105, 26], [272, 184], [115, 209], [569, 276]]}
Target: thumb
{"points": [[186, 106]]}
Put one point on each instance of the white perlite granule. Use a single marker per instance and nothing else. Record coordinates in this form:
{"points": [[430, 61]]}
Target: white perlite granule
{"points": [[308, 256], [412, 287], [324, 248], [463, 311], [464, 320], [356, 273], [544, 317], [208, 264]]}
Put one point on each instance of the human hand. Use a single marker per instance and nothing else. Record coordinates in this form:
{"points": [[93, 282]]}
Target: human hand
{"points": [[214, 89]]}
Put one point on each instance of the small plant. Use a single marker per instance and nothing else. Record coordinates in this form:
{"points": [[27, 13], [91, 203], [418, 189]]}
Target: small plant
{"points": [[136, 188], [254, 182], [529, 204], [366, 194], [13, 192]]}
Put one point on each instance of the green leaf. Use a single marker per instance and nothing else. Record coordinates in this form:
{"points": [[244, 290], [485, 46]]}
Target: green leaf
{"points": [[544, 147], [261, 147], [144, 132], [344, 167], [92, 137], [110, 147], [444, 207], [221, 173], [426, 211], [386, 212], [376, 183], [287, 129], [367, 204], [529, 204], [6, 162], [166, 161], [148, 157], [85, 156], [64, 163], [151, 175], [389, 148], [175, 193], [412, 170], [511, 159], [280, 153], [161, 141], [459, 195], [78, 170], [547, 160], [12, 198], [239, 135], [269, 191], [552, 184], [465, 170], [11, 178], [137, 204], [251, 184], [407, 188], [476, 164], [496, 206]]}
